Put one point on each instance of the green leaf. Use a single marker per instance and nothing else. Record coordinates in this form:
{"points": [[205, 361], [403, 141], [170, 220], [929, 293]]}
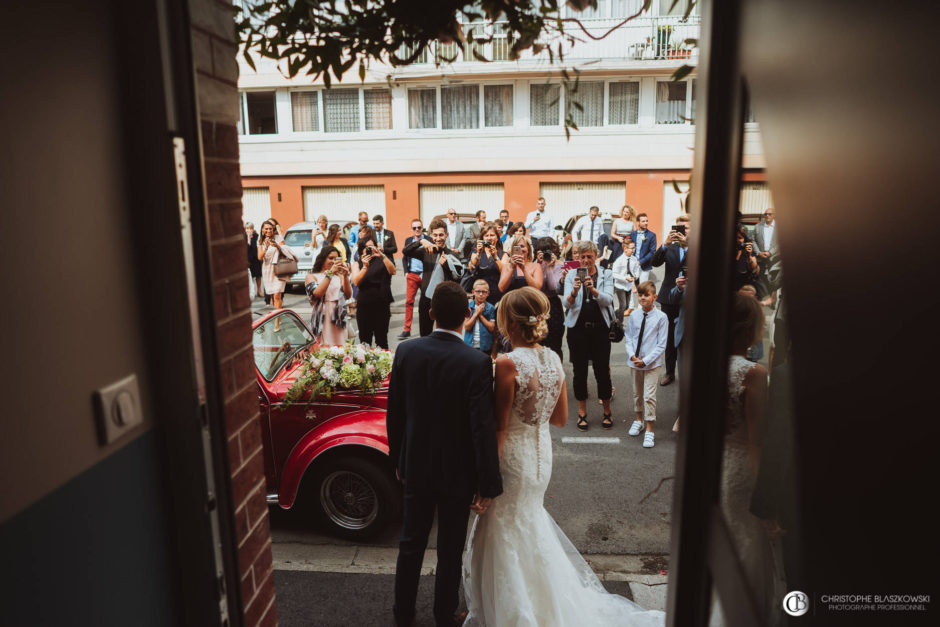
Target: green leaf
{"points": [[681, 73], [362, 72]]}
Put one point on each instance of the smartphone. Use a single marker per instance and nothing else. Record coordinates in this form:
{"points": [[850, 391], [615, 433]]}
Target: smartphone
{"points": [[680, 228], [569, 265], [582, 273], [518, 249]]}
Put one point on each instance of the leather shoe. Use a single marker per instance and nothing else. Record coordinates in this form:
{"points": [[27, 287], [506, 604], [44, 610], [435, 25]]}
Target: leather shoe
{"points": [[404, 335], [667, 379], [459, 618]]}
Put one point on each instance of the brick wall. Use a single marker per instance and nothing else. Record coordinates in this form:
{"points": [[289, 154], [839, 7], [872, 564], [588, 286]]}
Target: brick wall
{"points": [[214, 49]]}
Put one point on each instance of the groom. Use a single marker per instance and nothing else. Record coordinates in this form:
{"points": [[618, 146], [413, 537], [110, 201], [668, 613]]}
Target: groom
{"points": [[442, 439]]}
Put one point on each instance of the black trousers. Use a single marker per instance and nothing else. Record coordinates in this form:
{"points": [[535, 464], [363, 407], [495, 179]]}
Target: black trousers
{"points": [[425, 324], [372, 318], [590, 345], [453, 512], [672, 312]]}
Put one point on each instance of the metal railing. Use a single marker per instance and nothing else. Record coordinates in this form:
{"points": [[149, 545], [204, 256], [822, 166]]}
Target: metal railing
{"points": [[641, 39]]}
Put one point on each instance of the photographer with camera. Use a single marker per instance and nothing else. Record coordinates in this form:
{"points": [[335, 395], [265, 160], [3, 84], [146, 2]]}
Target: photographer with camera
{"points": [[674, 254], [437, 266], [372, 273], [746, 270], [549, 256], [522, 268], [487, 260], [589, 296]]}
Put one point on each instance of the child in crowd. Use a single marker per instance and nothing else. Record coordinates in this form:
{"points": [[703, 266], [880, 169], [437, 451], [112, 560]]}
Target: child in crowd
{"points": [[645, 336], [756, 352], [626, 269], [481, 322]]}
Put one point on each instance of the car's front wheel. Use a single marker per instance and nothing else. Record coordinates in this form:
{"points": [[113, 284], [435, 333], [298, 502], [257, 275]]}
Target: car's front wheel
{"points": [[356, 497]]}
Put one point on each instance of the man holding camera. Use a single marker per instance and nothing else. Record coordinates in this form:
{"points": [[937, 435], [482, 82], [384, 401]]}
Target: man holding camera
{"points": [[538, 223], [674, 254], [438, 264], [589, 227]]}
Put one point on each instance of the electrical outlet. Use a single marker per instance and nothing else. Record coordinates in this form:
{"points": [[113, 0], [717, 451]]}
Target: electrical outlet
{"points": [[117, 408]]}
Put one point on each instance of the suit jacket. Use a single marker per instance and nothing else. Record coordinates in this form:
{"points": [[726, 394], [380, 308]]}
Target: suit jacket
{"points": [[460, 237], [645, 249], [761, 244], [440, 423], [405, 258], [430, 260], [389, 245], [678, 297], [669, 255]]}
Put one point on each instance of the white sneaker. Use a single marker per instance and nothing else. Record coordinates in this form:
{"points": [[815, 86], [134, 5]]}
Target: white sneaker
{"points": [[648, 440], [635, 428]]}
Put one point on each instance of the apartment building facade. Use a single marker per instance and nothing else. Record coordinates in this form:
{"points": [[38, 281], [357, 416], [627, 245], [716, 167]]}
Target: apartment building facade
{"points": [[488, 134]]}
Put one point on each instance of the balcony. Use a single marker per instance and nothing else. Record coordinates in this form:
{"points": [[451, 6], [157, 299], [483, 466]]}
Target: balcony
{"points": [[640, 41]]}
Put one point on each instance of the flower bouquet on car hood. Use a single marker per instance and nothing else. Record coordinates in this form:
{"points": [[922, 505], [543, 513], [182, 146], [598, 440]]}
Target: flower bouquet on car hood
{"points": [[348, 367]]}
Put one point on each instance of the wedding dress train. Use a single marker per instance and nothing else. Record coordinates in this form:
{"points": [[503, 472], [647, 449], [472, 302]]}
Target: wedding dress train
{"points": [[519, 567]]}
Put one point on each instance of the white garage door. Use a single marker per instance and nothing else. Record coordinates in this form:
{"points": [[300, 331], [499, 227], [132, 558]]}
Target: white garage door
{"points": [[437, 199], [674, 203], [755, 198], [341, 204], [564, 200], [256, 205]]}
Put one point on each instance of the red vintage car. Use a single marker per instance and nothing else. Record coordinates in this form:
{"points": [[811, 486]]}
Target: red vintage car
{"points": [[328, 457]]}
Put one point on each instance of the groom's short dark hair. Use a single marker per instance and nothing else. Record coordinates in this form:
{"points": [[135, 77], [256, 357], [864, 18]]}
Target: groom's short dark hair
{"points": [[449, 305]]}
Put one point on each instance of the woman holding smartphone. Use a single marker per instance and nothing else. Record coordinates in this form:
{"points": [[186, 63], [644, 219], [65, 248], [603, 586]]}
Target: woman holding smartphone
{"points": [[271, 249], [488, 260], [328, 288], [372, 274], [549, 256], [522, 268]]}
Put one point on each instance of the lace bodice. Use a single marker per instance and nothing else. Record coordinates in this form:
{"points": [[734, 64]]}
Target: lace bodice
{"points": [[538, 383]]}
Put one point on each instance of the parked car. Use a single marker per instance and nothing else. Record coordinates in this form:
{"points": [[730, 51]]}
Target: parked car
{"points": [[329, 458], [300, 239]]}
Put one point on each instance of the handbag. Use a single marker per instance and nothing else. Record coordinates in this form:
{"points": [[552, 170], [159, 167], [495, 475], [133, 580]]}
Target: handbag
{"points": [[285, 268], [615, 332]]}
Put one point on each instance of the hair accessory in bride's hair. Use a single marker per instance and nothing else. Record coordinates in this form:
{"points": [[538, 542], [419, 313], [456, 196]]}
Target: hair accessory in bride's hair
{"points": [[534, 319]]}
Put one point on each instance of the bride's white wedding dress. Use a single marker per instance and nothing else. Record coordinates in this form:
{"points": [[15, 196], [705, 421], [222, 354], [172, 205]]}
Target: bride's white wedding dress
{"points": [[519, 567]]}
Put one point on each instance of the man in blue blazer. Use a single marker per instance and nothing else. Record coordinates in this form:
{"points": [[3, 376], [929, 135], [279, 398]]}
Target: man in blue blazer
{"points": [[674, 255], [442, 440], [645, 246]]}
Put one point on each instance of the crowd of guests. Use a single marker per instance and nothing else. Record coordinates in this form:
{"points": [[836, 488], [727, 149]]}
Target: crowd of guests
{"points": [[596, 281]]}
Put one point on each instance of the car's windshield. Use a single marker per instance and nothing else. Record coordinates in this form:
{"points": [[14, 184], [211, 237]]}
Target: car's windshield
{"points": [[276, 341], [297, 238]]}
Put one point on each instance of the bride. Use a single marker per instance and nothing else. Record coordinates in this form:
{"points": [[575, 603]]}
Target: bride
{"points": [[519, 568]]}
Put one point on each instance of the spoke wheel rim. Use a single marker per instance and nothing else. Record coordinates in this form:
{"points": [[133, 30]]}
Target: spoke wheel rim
{"points": [[349, 500]]}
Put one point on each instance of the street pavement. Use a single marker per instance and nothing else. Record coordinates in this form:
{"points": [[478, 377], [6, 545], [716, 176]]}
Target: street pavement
{"points": [[612, 498]]}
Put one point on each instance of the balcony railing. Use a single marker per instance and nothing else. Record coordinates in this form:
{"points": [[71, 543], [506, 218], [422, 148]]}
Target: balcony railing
{"points": [[641, 39]]}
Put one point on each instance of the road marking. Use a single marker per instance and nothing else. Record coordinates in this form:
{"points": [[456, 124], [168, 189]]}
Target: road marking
{"points": [[590, 440]]}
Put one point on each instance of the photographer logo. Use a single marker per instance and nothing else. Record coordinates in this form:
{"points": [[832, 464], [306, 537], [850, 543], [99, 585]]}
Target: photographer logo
{"points": [[796, 603]]}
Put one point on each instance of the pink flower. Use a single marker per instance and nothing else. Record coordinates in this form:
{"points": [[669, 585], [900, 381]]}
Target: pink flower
{"points": [[347, 359], [370, 369]]}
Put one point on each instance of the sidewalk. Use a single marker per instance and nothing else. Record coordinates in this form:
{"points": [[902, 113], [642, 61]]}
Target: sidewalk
{"points": [[353, 585]]}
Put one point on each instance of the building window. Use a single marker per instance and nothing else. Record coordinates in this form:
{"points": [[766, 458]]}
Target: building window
{"points": [[671, 102], [590, 98], [341, 110], [260, 113], [378, 107], [305, 112], [543, 105], [497, 105], [422, 108], [624, 102], [460, 106], [692, 106]]}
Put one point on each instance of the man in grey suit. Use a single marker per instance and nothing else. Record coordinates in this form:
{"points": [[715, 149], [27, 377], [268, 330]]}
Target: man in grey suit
{"points": [[765, 245], [456, 235], [474, 231]]}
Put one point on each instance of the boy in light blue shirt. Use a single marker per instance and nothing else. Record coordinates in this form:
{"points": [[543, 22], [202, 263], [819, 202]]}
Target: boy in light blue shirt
{"points": [[645, 337], [481, 323]]}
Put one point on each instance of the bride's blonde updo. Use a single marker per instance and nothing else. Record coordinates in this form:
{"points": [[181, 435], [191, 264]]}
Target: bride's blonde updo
{"points": [[528, 308]]}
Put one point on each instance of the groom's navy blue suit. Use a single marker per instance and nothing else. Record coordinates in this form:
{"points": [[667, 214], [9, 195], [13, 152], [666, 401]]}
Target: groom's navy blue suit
{"points": [[442, 438]]}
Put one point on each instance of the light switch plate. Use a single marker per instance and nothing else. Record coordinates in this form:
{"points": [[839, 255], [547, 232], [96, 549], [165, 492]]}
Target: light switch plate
{"points": [[117, 409]]}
